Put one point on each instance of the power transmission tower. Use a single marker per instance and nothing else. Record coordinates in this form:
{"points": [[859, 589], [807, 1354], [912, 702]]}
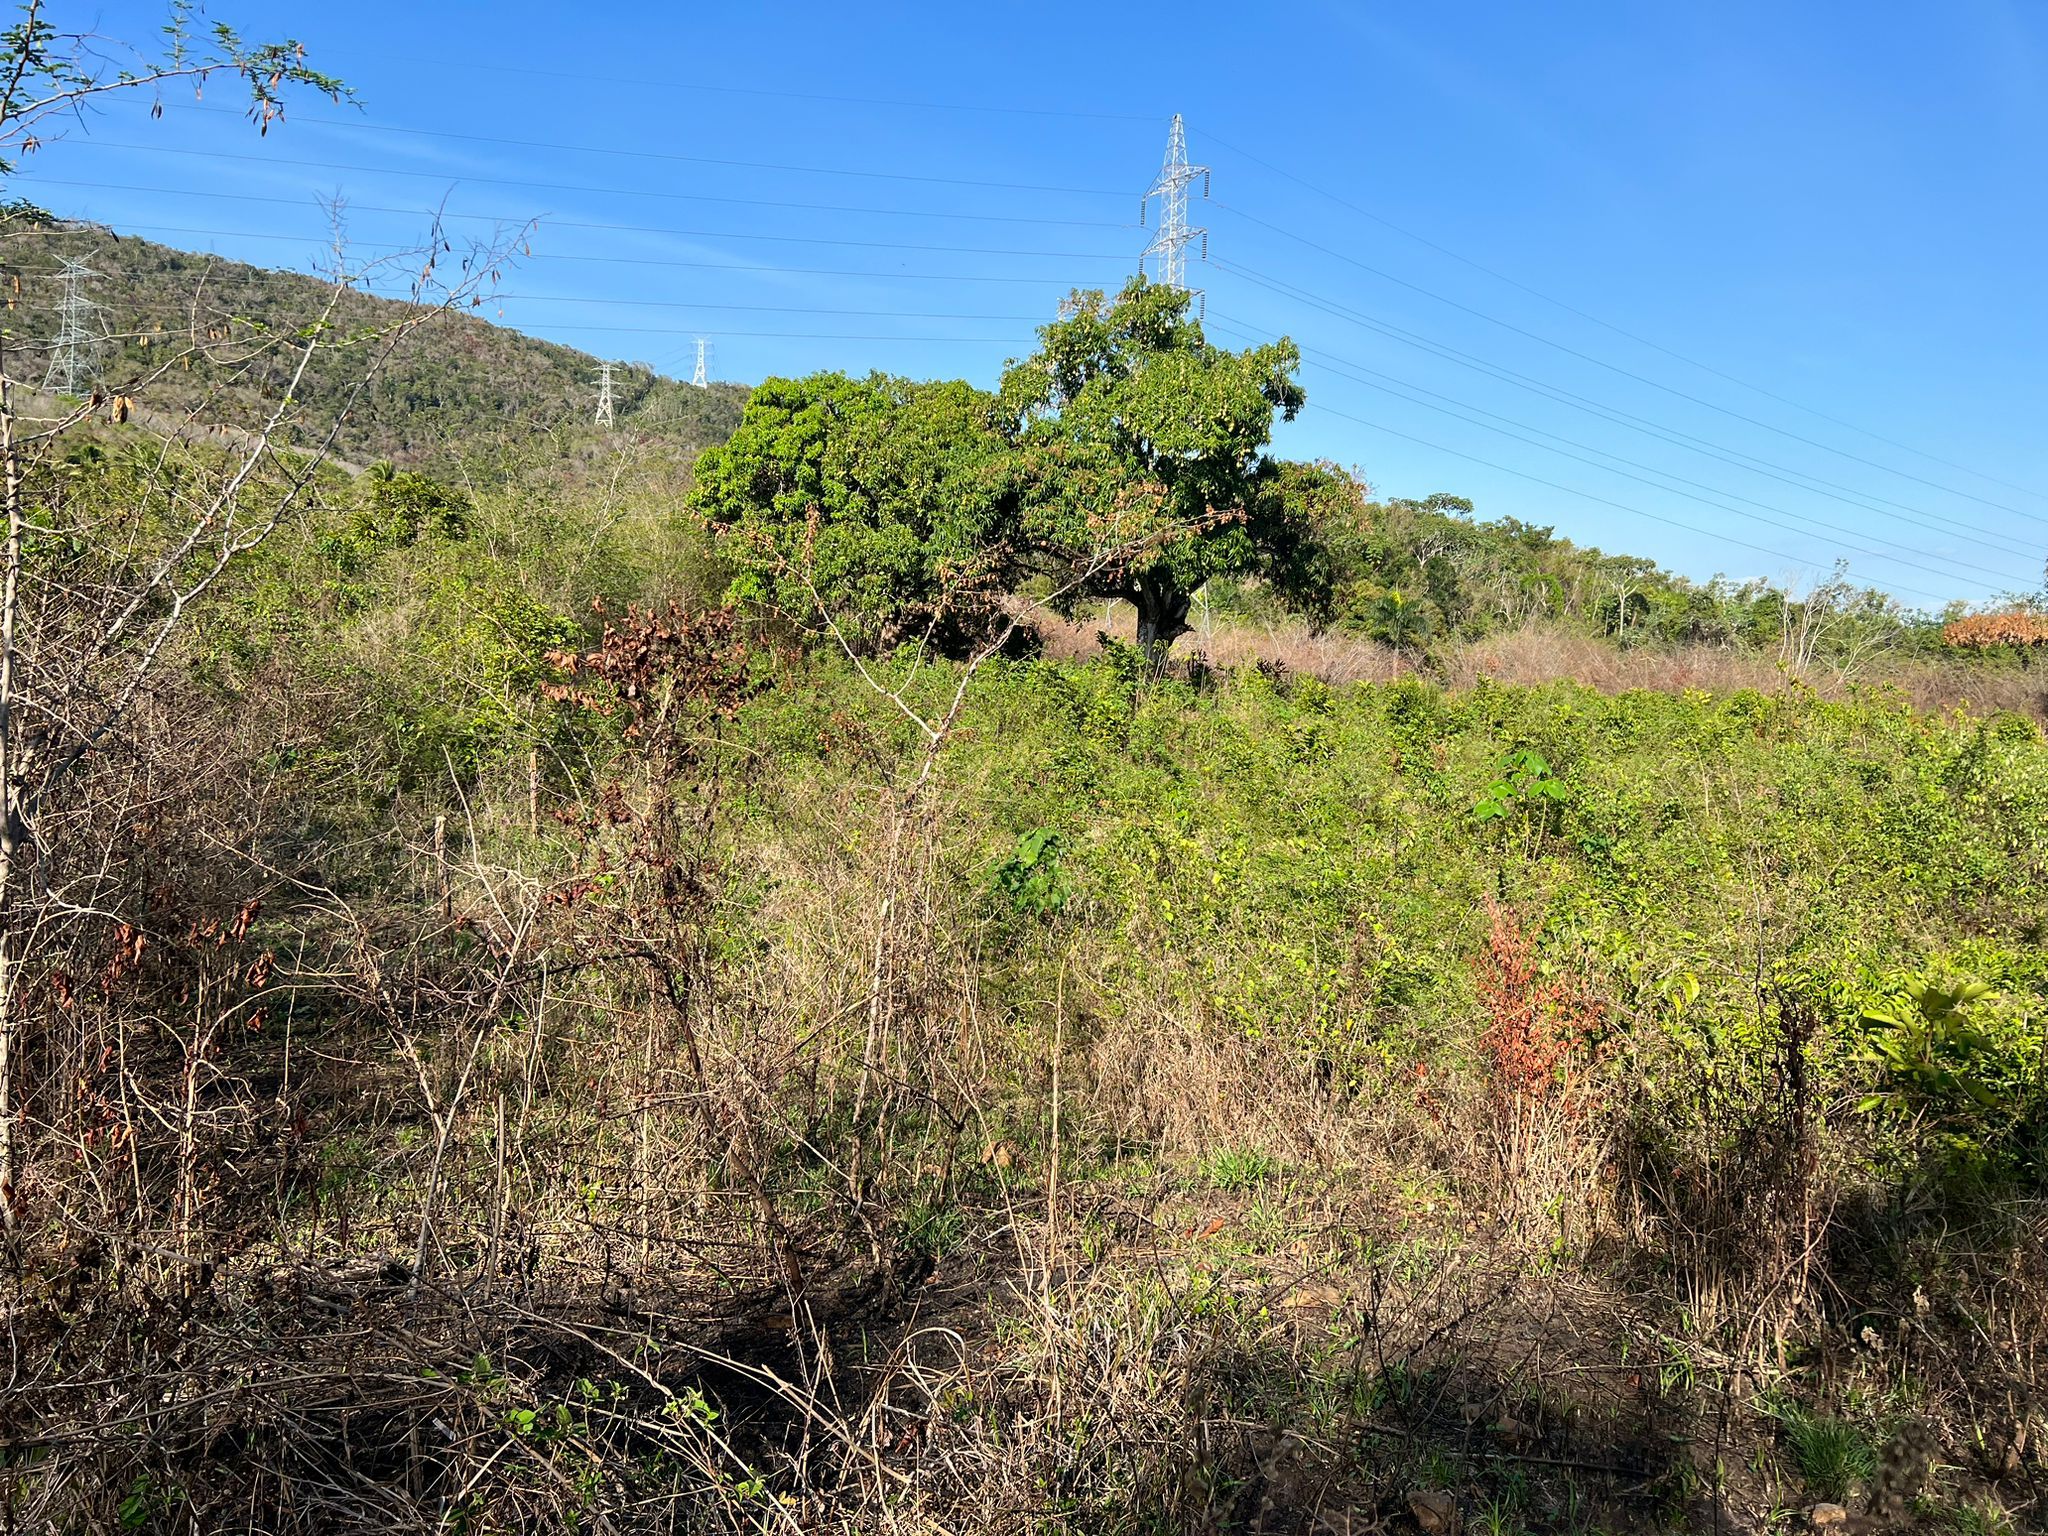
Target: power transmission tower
{"points": [[75, 354], [604, 394], [1169, 248], [702, 377]]}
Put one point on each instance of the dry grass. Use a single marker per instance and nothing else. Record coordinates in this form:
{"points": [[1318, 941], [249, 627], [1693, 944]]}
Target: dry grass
{"points": [[1334, 658], [1540, 653]]}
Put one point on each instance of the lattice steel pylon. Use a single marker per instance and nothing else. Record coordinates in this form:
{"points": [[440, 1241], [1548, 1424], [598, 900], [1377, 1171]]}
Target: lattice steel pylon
{"points": [[1168, 251], [701, 378], [604, 394], [75, 354]]}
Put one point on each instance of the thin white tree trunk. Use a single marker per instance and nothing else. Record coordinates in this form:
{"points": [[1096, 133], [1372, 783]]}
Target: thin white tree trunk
{"points": [[10, 803]]}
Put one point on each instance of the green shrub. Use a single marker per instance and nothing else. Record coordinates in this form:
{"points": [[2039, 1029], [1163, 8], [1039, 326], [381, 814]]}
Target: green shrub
{"points": [[1029, 880]]}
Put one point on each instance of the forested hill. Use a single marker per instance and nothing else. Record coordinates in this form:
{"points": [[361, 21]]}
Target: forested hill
{"points": [[1407, 574], [457, 381]]}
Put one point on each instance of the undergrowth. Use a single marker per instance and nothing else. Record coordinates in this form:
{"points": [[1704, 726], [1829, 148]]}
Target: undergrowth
{"points": [[560, 1069]]}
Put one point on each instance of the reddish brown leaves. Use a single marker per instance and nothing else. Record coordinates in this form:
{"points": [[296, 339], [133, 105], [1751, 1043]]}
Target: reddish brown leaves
{"points": [[651, 664], [645, 833], [1538, 1023], [1984, 631]]}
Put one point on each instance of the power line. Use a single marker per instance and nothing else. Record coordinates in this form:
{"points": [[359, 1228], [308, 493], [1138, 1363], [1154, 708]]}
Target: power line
{"points": [[694, 304], [1823, 528], [765, 309], [1620, 506], [1878, 555], [656, 154], [652, 261], [1358, 373], [742, 90], [1616, 368], [640, 330], [656, 330], [965, 341], [1246, 154], [648, 330], [1347, 362], [1424, 240], [584, 187], [1597, 408], [1607, 325], [1175, 247], [552, 222], [875, 314], [1184, 177]]}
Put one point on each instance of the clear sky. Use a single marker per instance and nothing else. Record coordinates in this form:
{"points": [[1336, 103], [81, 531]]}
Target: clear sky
{"points": [[1690, 282]]}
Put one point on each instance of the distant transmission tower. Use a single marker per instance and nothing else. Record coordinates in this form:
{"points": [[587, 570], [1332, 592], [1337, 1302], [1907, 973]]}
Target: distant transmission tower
{"points": [[702, 377], [75, 355], [604, 394], [1168, 251]]}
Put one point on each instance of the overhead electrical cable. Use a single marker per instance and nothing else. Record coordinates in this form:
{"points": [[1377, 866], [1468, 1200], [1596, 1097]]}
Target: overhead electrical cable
{"points": [[1605, 501], [1626, 334], [362, 125], [1278, 229], [654, 261], [1336, 364], [552, 222], [776, 309], [456, 177], [650, 330], [1371, 378], [1627, 373], [1869, 500], [1857, 549], [848, 101], [1908, 557]]}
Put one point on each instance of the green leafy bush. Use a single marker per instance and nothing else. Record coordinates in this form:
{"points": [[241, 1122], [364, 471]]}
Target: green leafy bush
{"points": [[1029, 880], [1955, 1054], [1525, 784]]}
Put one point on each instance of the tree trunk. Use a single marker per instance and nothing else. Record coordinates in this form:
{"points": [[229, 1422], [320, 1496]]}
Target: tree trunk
{"points": [[1162, 616], [12, 770]]}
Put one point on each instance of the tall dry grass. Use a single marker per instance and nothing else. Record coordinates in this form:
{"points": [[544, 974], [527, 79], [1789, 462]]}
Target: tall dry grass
{"points": [[1540, 653]]}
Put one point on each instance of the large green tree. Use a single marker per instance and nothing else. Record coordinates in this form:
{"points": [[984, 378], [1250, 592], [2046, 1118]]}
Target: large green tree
{"points": [[880, 506], [1142, 451]]}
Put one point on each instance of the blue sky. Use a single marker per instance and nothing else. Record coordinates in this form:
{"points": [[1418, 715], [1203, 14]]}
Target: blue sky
{"points": [[1603, 266]]}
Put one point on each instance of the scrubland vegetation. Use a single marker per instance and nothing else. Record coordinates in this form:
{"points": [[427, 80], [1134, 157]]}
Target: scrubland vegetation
{"points": [[988, 962], [527, 1067], [470, 378]]}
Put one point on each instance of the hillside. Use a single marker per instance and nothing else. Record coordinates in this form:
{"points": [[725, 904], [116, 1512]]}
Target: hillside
{"points": [[459, 380], [1405, 573], [529, 1007]]}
